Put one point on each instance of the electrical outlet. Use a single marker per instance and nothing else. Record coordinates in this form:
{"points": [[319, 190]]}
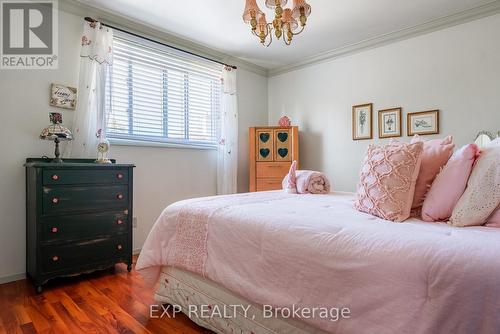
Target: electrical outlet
{"points": [[134, 222]]}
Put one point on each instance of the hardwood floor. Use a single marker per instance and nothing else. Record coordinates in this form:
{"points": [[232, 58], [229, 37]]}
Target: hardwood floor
{"points": [[101, 302]]}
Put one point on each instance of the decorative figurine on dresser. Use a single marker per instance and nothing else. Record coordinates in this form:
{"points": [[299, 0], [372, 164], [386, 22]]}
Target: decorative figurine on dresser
{"points": [[272, 150], [78, 217]]}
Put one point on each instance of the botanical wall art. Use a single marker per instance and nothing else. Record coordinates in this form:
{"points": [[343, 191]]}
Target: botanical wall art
{"points": [[362, 121], [423, 123], [389, 123]]}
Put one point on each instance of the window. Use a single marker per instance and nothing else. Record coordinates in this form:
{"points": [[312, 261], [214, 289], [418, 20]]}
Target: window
{"points": [[158, 94]]}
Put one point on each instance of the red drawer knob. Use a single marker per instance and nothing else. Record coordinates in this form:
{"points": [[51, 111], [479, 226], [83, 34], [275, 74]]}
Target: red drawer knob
{"points": [[119, 176], [55, 258], [55, 200], [55, 177], [119, 222], [55, 230], [119, 196], [119, 247]]}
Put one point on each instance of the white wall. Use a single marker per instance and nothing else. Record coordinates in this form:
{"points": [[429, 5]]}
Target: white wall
{"points": [[456, 70], [162, 176]]}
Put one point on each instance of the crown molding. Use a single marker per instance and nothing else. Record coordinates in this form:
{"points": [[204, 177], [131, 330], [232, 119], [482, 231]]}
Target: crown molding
{"points": [[468, 15], [79, 8]]}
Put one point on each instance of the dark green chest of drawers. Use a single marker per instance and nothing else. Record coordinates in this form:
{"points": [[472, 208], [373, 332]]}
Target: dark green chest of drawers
{"points": [[78, 217]]}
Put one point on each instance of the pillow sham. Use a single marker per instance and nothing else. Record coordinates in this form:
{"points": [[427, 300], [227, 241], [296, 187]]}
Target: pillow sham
{"points": [[435, 155], [449, 185], [387, 180], [482, 195]]}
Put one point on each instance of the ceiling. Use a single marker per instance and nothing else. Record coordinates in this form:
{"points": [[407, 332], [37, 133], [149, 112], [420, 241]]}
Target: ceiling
{"points": [[333, 23]]}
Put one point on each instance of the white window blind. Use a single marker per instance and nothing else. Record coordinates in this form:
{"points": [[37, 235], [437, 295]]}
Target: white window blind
{"points": [[159, 94]]}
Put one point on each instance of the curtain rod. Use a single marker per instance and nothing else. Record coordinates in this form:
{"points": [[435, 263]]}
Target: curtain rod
{"points": [[89, 19]]}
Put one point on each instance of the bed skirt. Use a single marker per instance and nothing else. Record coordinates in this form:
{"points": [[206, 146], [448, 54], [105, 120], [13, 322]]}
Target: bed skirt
{"points": [[218, 309]]}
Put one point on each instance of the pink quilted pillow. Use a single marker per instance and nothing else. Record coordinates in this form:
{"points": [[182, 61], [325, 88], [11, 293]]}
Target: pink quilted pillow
{"points": [[494, 220], [436, 154], [449, 185], [387, 180]]}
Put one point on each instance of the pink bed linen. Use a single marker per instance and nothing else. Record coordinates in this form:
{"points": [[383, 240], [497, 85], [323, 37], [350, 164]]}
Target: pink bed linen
{"points": [[318, 251]]}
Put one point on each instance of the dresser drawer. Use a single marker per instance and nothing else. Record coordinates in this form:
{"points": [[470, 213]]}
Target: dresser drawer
{"points": [[85, 176], [83, 226], [272, 169], [73, 255], [269, 184], [60, 199]]}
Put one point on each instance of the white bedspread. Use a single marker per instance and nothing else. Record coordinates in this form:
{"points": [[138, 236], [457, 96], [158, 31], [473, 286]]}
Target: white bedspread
{"points": [[317, 251]]}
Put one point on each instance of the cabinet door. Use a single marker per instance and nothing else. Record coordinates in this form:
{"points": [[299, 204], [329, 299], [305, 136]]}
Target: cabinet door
{"points": [[283, 145], [265, 147]]}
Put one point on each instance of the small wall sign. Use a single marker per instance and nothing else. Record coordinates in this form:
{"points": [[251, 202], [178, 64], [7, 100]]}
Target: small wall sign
{"points": [[63, 96]]}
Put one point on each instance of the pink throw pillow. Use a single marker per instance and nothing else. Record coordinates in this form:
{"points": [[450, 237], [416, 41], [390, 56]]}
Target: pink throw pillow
{"points": [[387, 180], [449, 185], [436, 154], [494, 220]]}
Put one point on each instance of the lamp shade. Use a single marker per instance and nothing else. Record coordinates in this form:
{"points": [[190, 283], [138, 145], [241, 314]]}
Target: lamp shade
{"points": [[272, 3], [297, 4], [251, 6], [55, 129], [287, 18]]}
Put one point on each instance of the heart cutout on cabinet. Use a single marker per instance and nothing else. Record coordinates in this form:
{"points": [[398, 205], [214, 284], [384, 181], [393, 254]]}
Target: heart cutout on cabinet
{"points": [[264, 137], [283, 152], [264, 152], [282, 136]]}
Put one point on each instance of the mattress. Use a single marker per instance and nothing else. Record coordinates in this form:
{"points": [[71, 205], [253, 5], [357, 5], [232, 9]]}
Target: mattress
{"points": [[310, 251]]}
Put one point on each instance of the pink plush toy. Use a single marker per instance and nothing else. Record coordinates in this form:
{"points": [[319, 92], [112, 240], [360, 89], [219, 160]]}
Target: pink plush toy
{"points": [[291, 182]]}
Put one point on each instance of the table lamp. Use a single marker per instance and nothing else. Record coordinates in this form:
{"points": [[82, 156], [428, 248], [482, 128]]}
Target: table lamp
{"points": [[56, 132]]}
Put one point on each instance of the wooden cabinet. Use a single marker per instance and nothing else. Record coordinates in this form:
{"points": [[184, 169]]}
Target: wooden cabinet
{"points": [[78, 217], [272, 150]]}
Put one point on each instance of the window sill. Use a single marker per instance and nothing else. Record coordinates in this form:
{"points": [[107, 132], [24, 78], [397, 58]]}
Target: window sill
{"points": [[142, 143]]}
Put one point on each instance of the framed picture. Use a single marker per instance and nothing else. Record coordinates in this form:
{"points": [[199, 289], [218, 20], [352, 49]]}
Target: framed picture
{"points": [[63, 96], [423, 123], [362, 121], [389, 123]]}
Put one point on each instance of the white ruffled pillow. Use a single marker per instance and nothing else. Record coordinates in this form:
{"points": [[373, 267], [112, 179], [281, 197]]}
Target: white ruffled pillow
{"points": [[482, 195]]}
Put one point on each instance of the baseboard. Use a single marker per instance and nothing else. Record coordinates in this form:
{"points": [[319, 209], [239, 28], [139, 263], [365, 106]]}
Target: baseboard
{"points": [[136, 251], [12, 278]]}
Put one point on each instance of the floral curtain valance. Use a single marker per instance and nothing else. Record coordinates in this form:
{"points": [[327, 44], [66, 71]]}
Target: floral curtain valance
{"points": [[97, 42]]}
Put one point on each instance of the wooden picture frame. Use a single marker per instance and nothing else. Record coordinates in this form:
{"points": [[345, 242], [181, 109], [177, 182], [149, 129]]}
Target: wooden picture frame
{"points": [[362, 121], [389, 123], [422, 123]]}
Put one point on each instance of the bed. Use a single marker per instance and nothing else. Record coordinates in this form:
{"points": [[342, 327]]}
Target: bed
{"points": [[316, 252]]}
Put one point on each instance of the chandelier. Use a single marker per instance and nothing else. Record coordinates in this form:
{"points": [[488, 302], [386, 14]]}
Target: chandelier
{"points": [[285, 20]]}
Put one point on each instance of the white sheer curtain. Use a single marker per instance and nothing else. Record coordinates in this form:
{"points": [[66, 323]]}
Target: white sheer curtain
{"points": [[89, 122], [227, 162]]}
